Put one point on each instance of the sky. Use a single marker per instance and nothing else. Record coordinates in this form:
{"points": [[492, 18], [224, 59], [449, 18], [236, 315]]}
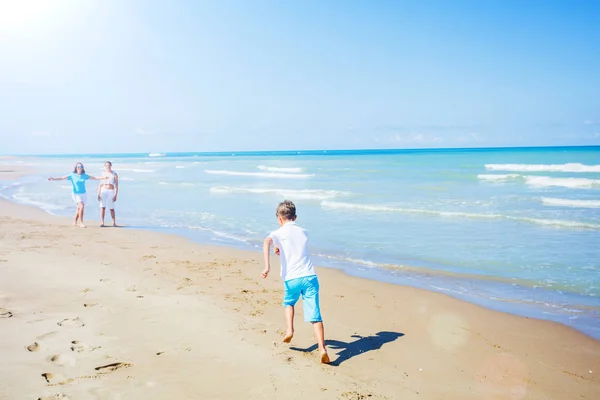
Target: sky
{"points": [[118, 76]]}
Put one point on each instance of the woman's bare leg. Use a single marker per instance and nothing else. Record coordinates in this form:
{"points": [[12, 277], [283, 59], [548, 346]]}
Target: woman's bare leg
{"points": [[81, 207]]}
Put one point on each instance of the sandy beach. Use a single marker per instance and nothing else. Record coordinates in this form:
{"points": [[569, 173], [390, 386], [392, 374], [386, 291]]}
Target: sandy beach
{"points": [[120, 313]]}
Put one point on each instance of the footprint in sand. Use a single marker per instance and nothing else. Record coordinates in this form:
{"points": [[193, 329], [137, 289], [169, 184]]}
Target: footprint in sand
{"points": [[80, 347], [63, 360], [52, 378], [104, 369], [88, 305], [58, 396], [71, 322], [35, 346], [4, 313], [46, 335]]}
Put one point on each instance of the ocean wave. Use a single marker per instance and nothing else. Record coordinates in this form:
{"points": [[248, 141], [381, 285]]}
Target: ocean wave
{"points": [[573, 183], [570, 167], [157, 154], [392, 209], [11, 186], [571, 203], [48, 207], [497, 177], [280, 169], [140, 170], [315, 194], [180, 166], [258, 174]]}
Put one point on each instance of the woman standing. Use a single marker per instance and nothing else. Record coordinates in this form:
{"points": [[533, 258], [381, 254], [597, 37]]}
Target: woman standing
{"points": [[108, 191], [78, 178]]}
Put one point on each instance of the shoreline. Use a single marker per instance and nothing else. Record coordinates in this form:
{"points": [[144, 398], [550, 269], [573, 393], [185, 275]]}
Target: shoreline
{"points": [[423, 278], [151, 315]]}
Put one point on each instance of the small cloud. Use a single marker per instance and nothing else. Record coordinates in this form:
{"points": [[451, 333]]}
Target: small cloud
{"points": [[416, 138], [40, 134], [143, 132], [582, 136], [590, 122], [469, 137]]}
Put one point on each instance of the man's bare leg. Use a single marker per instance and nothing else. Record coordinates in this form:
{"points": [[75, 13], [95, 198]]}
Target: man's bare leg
{"points": [[114, 218], [102, 213]]}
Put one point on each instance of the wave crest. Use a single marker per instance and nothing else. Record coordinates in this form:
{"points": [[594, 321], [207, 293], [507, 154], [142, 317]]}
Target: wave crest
{"points": [[392, 209], [308, 194], [258, 174], [574, 183], [571, 203], [279, 169], [569, 167]]}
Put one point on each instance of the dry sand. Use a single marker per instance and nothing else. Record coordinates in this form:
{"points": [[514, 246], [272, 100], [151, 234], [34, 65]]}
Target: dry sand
{"points": [[118, 313]]}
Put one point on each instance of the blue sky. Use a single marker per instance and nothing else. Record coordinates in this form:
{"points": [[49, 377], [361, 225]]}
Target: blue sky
{"points": [[154, 76]]}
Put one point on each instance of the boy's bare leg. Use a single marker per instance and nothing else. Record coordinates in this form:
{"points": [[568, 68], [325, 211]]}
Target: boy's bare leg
{"points": [[289, 321], [320, 335], [76, 216]]}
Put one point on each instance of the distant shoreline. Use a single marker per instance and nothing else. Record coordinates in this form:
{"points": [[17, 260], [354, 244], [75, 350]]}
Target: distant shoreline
{"points": [[316, 152]]}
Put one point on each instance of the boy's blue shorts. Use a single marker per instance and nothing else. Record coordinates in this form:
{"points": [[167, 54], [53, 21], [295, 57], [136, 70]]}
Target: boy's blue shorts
{"points": [[308, 287]]}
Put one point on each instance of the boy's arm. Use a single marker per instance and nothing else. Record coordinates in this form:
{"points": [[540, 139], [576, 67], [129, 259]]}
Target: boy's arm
{"points": [[266, 253]]}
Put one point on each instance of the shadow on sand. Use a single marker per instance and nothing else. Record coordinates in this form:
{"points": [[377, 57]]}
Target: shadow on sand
{"points": [[361, 345]]}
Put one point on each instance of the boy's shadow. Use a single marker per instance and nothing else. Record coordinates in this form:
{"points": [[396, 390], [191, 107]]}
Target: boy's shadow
{"points": [[362, 345]]}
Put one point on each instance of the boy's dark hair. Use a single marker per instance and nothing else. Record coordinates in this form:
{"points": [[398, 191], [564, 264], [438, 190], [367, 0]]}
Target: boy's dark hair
{"points": [[286, 210]]}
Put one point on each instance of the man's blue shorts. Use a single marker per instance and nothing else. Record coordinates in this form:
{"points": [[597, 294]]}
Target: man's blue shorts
{"points": [[308, 287]]}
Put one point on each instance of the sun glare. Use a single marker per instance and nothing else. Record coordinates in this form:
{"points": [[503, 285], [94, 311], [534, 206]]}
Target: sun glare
{"points": [[25, 16]]}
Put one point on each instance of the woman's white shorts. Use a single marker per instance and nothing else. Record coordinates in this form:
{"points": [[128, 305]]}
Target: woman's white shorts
{"points": [[106, 198], [80, 198]]}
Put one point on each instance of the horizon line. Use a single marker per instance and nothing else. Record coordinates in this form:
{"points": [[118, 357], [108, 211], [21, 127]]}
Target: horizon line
{"points": [[313, 151]]}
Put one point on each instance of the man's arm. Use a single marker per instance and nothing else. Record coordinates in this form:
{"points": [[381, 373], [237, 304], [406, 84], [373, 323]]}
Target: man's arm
{"points": [[116, 187], [266, 253]]}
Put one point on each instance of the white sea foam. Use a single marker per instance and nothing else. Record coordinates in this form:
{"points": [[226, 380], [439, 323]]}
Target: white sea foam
{"points": [[157, 154], [48, 207], [11, 186], [258, 174], [497, 177], [392, 209], [180, 166], [279, 169], [314, 194], [126, 179], [548, 201], [574, 183], [139, 170], [570, 167]]}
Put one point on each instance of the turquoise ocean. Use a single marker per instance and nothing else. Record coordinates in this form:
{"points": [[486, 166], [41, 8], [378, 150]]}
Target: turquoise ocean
{"points": [[511, 229]]}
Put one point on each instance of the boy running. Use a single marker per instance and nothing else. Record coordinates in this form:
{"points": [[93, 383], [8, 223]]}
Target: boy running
{"points": [[298, 273]]}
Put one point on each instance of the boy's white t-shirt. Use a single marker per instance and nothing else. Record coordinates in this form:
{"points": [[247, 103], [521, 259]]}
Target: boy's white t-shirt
{"points": [[293, 246]]}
